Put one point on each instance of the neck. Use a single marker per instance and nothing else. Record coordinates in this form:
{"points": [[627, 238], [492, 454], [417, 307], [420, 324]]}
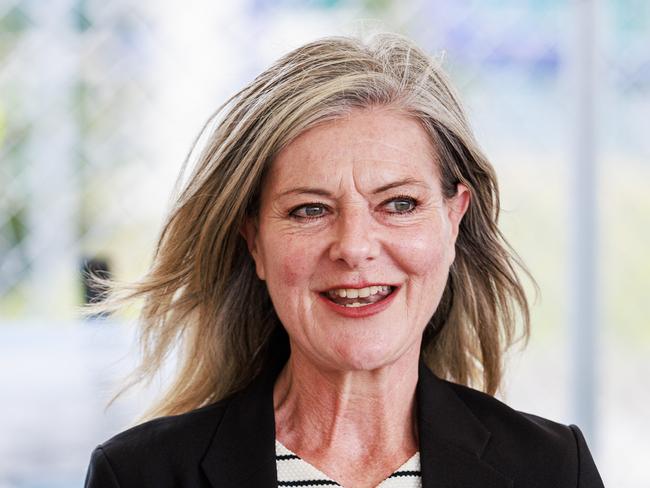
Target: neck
{"points": [[358, 416]]}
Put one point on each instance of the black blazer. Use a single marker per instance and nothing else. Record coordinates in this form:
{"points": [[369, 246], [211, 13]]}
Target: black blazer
{"points": [[467, 439]]}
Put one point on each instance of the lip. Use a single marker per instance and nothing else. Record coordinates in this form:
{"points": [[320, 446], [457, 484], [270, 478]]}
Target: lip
{"points": [[360, 312], [358, 285]]}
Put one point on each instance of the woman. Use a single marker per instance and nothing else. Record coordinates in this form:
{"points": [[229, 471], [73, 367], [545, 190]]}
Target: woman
{"points": [[331, 266]]}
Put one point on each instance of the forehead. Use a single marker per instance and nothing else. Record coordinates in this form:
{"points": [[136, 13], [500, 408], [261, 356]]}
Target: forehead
{"points": [[372, 146]]}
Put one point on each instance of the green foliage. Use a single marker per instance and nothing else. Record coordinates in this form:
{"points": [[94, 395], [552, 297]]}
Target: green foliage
{"points": [[15, 21], [81, 18], [377, 6], [18, 229]]}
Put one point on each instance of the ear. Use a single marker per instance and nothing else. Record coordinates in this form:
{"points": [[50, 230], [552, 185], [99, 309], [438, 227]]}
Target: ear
{"points": [[456, 208], [249, 231]]}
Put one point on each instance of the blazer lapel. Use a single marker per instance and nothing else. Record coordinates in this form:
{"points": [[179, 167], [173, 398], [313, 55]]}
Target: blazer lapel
{"points": [[242, 452], [451, 439]]}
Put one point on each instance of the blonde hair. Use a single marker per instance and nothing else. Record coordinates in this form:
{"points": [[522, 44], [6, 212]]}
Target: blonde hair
{"points": [[202, 298]]}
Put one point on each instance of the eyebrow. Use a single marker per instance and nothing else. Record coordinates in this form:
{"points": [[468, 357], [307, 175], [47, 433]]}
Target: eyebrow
{"points": [[398, 183], [322, 192]]}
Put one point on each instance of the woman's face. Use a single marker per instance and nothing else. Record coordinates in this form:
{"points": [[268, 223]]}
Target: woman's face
{"points": [[354, 239]]}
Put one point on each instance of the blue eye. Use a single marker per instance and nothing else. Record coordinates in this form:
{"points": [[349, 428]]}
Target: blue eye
{"points": [[309, 211], [400, 205]]}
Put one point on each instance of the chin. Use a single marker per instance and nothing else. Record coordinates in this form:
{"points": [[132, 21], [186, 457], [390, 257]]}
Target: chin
{"points": [[365, 356]]}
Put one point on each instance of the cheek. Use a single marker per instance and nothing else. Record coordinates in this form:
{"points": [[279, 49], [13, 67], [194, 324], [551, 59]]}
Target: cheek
{"points": [[290, 272], [423, 253], [288, 264], [290, 268]]}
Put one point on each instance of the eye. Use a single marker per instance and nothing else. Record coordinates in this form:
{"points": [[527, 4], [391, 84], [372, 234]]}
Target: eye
{"points": [[308, 211], [400, 205]]}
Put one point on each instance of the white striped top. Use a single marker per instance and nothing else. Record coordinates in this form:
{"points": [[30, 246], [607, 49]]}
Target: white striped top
{"points": [[294, 471]]}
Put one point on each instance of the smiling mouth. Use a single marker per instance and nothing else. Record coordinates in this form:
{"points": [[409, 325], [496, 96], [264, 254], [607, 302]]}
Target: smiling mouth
{"points": [[359, 297]]}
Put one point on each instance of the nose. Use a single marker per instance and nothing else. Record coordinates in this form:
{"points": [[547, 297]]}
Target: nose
{"points": [[355, 240]]}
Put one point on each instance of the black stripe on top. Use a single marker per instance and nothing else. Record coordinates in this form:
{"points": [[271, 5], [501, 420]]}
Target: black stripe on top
{"points": [[400, 474], [284, 457], [308, 483]]}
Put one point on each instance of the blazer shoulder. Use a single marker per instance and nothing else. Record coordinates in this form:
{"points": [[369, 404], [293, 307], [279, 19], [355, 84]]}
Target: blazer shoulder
{"points": [[174, 431], [160, 451], [531, 449], [500, 418]]}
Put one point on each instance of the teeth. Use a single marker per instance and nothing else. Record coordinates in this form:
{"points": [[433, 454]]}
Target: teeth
{"points": [[359, 292], [355, 304]]}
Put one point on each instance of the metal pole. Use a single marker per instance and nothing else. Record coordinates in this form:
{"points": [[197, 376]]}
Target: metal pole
{"points": [[583, 313], [51, 173]]}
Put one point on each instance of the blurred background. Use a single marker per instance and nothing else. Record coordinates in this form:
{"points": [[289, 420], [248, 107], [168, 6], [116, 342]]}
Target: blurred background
{"points": [[100, 101]]}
